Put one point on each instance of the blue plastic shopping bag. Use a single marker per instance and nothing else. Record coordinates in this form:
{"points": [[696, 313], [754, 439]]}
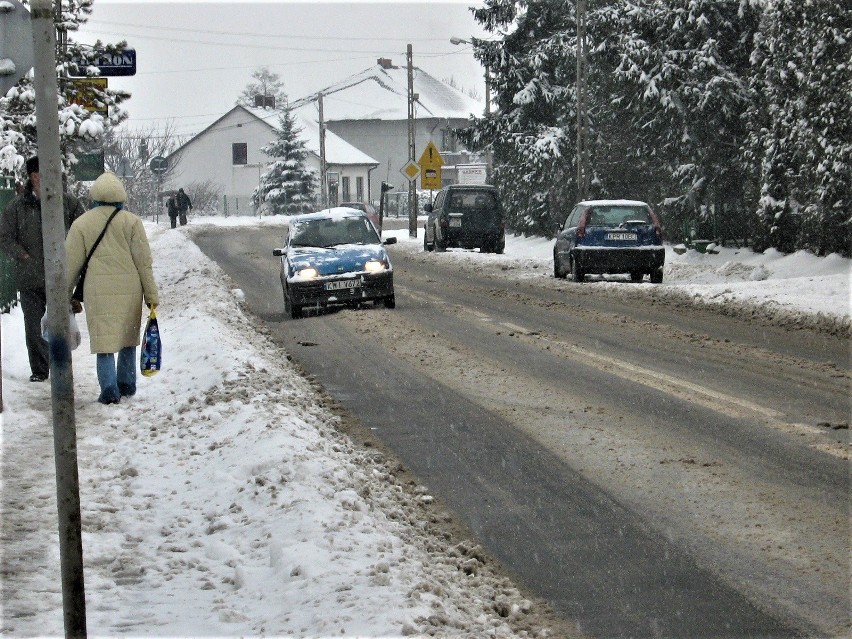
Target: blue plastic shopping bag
{"points": [[150, 360]]}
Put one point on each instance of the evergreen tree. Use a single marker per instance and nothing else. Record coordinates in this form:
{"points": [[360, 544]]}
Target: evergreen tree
{"points": [[800, 147], [531, 133], [289, 186], [682, 88], [79, 129]]}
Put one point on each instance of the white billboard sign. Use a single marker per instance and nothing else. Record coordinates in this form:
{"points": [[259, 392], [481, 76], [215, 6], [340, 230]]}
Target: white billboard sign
{"points": [[471, 173]]}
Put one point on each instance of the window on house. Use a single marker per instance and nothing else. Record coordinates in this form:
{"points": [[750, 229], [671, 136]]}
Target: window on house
{"points": [[359, 189], [239, 153], [346, 189]]}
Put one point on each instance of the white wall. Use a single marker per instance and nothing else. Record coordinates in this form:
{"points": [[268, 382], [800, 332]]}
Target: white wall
{"points": [[387, 142], [208, 157]]}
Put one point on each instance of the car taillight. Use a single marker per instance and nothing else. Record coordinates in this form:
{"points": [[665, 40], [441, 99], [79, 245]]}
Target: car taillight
{"points": [[581, 225], [658, 228]]}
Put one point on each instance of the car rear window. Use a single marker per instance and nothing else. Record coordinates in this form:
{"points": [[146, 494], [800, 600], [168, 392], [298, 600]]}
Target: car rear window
{"points": [[617, 215], [470, 201]]}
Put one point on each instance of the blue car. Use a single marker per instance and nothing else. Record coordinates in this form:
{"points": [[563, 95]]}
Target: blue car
{"points": [[610, 236], [334, 257]]}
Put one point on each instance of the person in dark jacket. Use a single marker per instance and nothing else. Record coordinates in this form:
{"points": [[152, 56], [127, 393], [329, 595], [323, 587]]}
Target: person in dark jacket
{"points": [[183, 206], [171, 205], [21, 240]]}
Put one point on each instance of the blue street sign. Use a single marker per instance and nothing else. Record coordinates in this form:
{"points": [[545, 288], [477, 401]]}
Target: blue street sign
{"points": [[110, 64]]}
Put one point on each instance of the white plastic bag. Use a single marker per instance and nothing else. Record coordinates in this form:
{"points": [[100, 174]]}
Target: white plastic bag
{"points": [[74, 337]]}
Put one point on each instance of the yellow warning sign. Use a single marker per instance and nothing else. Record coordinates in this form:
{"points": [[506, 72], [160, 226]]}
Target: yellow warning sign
{"points": [[430, 167]]}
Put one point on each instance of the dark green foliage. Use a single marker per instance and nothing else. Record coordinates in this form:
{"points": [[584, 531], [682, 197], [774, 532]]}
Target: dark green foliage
{"points": [[289, 186], [733, 117]]}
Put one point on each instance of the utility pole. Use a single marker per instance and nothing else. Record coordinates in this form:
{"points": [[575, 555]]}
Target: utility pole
{"points": [[582, 119], [323, 166], [412, 185], [58, 305]]}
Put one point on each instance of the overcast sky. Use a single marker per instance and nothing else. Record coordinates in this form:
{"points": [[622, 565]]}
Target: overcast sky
{"points": [[195, 58]]}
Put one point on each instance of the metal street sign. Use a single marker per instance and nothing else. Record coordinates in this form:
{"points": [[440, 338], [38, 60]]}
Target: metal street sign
{"points": [[16, 44], [430, 167], [431, 158], [109, 64], [89, 166], [88, 94], [410, 171], [158, 165]]}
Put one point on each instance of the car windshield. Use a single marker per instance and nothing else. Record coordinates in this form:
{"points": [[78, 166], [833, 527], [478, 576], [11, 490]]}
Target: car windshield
{"points": [[328, 232], [618, 215]]}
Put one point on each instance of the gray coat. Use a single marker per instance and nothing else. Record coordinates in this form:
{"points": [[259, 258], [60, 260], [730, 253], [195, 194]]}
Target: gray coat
{"points": [[21, 235]]}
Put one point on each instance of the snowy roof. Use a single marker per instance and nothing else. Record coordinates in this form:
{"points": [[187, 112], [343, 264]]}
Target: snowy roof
{"points": [[613, 203], [381, 93], [337, 150]]}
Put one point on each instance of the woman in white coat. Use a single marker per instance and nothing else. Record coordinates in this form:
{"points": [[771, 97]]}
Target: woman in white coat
{"points": [[118, 278]]}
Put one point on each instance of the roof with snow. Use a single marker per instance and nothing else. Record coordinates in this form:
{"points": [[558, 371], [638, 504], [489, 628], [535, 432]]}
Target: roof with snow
{"points": [[381, 93], [337, 151]]}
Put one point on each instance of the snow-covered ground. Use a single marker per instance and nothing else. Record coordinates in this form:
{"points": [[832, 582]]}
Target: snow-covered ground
{"points": [[221, 500]]}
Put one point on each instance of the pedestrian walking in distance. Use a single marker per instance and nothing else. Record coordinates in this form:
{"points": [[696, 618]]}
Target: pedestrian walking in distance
{"points": [[21, 240], [183, 206], [171, 205], [119, 278]]}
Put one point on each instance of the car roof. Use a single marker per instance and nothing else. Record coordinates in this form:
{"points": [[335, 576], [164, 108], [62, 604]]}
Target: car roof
{"points": [[613, 203], [470, 187], [337, 212]]}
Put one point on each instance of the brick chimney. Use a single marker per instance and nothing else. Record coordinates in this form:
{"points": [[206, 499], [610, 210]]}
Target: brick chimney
{"points": [[385, 63]]}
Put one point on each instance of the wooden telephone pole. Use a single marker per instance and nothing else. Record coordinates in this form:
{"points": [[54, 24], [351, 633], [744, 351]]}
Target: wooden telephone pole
{"points": [[582, 105], [412, 185]]}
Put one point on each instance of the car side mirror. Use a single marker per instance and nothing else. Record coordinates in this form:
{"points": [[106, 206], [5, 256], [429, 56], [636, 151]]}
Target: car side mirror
{"points": [[389, 240], [428, 208], [279, 252]]}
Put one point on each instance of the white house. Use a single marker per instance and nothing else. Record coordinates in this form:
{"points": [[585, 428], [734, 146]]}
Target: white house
{"points": [[370, 111], [227, 155]]}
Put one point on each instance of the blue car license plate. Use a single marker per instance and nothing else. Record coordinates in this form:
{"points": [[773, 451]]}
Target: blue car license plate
{"points": [[342, 285]]}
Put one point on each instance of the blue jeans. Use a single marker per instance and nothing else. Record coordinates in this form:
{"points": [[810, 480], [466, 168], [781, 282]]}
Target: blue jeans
{"points": [[117, 382]]}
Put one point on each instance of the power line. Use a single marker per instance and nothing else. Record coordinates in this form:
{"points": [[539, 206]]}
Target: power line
{"points": [[262, 35]]}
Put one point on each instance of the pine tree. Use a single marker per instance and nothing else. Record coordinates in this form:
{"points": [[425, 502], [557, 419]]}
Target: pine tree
{"points": [[682, 87], [79, 128], [289, 186], [531, 132], [801, 141]]}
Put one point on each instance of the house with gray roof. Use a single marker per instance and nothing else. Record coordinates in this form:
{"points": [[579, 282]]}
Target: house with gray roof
{"points": [[369, 110], [227, 156]]}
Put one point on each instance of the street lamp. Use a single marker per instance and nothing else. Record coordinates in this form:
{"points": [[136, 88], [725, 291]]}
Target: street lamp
{"points": [[456, 40]]}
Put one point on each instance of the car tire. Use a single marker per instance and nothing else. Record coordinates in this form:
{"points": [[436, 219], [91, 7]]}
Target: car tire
{"points": [[576, 273], [440, 246], [558, 272], [636, 277], [426, 246], [390, 301], [293, 310], [657, 276]]}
